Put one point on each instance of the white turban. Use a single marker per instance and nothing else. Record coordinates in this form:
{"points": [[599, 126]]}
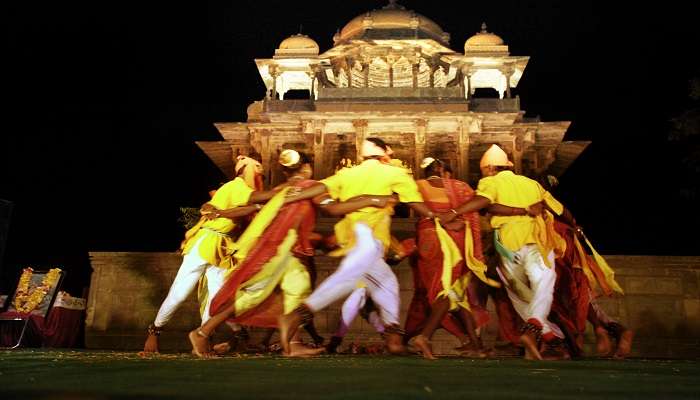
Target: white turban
{"points": [[370, 149]]}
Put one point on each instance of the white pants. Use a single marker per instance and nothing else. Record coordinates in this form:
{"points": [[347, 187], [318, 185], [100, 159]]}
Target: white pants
{"points": [[364, 263], [351, 307], [533, 299], [192, 268]]}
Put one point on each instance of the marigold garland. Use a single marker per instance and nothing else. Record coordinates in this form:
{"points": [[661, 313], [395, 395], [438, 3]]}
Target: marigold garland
{"points": [[26, 301]]}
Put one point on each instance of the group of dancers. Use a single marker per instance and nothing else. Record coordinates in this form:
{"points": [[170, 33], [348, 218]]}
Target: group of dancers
{"points": [[251, 256]]}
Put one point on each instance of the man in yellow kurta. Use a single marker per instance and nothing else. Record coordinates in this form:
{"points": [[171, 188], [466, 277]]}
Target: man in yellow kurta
{"points": [[363, 235], [206, 244], [527, 245]]}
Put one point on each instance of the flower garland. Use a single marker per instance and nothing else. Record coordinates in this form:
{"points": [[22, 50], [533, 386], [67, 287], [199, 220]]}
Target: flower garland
{"points": [[26, 301]]}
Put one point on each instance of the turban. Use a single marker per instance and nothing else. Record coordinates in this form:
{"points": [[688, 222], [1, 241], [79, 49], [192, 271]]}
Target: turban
{"points": [[289, 158], [369, 149], [495, 156], [250, 170], [426, 162]]}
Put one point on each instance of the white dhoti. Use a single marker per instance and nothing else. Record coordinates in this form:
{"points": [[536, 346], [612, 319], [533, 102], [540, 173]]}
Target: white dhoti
{"points": [[530, 286], [192, 268], [364, 263], [351, 307]]}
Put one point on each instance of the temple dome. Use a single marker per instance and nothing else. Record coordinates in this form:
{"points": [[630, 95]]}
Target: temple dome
{"points": [[392, 17], [484, 38], [299, 42]]}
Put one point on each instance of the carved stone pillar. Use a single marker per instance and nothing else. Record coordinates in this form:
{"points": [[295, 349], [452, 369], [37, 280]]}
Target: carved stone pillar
{"points": [[319, 144], [274, 73], [518, 149], [507, 73], [414, 71], [265, 153], [349, 64], [365, 73], [360, 135], [460, 79], [391, 75], [463, 144], [467, 80], [420, 141]]}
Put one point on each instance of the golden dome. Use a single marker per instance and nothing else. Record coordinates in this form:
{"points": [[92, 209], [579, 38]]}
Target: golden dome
{"points": [[299, 42], [484, 40], [392, 17]]}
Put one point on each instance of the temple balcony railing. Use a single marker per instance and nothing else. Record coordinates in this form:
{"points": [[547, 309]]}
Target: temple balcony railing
{"points": [[477, 104], [295, 105], [447, 94], [436, 96]]}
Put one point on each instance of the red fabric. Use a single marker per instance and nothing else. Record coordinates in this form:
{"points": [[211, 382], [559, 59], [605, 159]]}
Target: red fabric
{"points": [[419, 310], [571, 291], [430, 255], [299, 214], [509, 322], [61, 329]]}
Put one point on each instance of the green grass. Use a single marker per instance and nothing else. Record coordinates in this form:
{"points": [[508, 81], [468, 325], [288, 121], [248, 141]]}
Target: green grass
{"points": [[44, 374]]}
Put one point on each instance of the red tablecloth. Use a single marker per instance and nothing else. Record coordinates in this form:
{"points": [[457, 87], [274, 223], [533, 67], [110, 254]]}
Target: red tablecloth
{"points": [[60, 329]]}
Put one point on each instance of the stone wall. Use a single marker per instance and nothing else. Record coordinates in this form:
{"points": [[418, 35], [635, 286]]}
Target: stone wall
{"points": [[662, 304]]}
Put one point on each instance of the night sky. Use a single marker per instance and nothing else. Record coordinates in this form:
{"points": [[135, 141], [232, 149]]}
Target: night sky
{"points": [[103, 103]]}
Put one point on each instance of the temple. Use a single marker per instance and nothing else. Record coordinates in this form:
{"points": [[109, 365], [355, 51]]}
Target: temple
{"points": [[392, 74]]}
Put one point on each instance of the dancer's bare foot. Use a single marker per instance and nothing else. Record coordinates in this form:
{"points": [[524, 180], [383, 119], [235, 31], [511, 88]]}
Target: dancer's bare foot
{"points": [[200, 344], [603, 345], [151, 345], [473, 350], [222, 348], [394, 343], [299, 349], [624, 344], [288, 325], [423, 344], [529, 341], [555, 350]]}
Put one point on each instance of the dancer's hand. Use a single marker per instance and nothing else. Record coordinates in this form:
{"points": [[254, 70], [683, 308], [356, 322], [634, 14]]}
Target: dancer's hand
{"points": [[206, 208], [446, 218], [536, 209], [383, 201], [212, 213]]}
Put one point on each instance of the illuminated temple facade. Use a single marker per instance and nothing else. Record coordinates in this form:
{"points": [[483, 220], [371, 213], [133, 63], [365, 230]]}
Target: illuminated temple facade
{"points": [[392, 74]]}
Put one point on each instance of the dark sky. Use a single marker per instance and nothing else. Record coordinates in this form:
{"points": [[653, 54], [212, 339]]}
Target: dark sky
{"points": [[104, 100]]}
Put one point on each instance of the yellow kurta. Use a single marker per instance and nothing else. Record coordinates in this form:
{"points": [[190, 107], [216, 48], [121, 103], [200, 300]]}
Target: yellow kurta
{"points": [[516, 231], [371, 177], [214, 233]]}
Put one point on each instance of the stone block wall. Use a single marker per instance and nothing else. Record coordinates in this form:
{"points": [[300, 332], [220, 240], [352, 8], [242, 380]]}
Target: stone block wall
{"points": [[662, 304]]}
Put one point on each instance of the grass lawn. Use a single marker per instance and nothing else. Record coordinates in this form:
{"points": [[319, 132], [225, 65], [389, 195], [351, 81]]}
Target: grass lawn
{"points": [[44, 374]]}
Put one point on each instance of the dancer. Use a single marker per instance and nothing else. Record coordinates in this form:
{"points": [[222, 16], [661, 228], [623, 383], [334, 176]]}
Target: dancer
{"points": [[207, 243], [363, 236], [526, 245], [450, 262]]}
